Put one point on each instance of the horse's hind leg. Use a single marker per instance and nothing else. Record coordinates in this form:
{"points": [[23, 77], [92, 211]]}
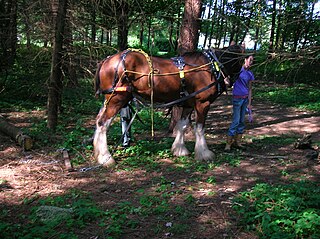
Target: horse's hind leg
{"points": [[101, 152], [178, 147], [201, 149]]}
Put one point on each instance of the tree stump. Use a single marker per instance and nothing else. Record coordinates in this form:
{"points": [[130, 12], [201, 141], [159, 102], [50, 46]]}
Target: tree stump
{"points": [[304, 143], [16, 134]]}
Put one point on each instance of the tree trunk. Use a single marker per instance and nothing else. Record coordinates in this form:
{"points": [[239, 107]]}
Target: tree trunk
{"points": [[69, 65], [258, 26], [171, 27], [273, 25], [123, 29], [15, 133], [141, 33], [8, 33], [256, 37], [55, 83], [93, 25], [149, 33], [207, 25], [300, 26], [189, 33], [221, 23], [306, 32], [188, 41], [248, 23], [278, 32], [236, 24], [215, 20]]}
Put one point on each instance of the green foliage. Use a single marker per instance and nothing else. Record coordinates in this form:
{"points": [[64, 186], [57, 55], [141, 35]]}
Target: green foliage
{"points": [[300, 96], [84, 211], [25, 85], [281, 140], [211, 180], [302, 69], [281, 211]]}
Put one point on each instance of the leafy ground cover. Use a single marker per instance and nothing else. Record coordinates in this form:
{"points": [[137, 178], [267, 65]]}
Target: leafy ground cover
{"points": [[270, 190]]}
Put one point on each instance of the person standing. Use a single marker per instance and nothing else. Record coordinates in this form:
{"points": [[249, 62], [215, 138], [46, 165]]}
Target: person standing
{"points": [[125, 118], [241, 101]]}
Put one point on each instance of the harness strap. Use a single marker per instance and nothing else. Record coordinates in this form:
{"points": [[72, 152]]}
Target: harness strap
{"points": [[187, 97], [216, 67], [180, 63], [116, 89], [150, 82]]}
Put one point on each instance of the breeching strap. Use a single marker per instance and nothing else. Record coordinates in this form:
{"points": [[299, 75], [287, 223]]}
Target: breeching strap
{"points": [[150, 82]]}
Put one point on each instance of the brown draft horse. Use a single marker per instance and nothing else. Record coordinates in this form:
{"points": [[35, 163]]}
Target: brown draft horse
{"points": [[198, 77]]}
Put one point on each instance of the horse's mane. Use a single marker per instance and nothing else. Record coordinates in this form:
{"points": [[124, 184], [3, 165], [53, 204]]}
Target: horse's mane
{"points": [[192, 53]]}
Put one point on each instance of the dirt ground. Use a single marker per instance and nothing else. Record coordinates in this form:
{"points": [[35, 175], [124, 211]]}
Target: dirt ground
{"points": [[41, 172]]}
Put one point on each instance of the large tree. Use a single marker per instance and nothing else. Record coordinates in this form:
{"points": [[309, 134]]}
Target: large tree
{"points": [[55, 83], [188, 41], [189, 31], [8, 33]]}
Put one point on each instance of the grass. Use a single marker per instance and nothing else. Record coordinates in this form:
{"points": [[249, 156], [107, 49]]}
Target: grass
{"points": [[300, 96], [281, 211]]}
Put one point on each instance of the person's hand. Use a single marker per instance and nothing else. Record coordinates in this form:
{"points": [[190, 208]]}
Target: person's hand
{"points": [[249, 107], [227, 81]]}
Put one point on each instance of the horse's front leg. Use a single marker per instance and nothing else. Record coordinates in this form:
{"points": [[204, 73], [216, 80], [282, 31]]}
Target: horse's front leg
{"points": [[100, 145], [201, 149], [178, 147]]}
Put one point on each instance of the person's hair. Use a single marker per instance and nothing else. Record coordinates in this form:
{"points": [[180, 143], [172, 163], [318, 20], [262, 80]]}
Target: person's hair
{"points": [[248, 55]]}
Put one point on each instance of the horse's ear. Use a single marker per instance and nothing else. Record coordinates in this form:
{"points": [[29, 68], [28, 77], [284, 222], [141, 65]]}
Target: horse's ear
{"points": [[243, 45]]}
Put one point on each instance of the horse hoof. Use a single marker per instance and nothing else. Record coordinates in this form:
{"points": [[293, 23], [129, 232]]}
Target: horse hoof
{"points": [[206, 155], [106, 161], [180, 151]]}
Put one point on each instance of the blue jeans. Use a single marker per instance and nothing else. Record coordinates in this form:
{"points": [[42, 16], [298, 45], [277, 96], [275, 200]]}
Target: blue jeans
{"points": [[238, 117]]}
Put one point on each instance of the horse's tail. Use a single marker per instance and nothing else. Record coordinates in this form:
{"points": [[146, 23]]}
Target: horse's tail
{"points": [[97, 80]]}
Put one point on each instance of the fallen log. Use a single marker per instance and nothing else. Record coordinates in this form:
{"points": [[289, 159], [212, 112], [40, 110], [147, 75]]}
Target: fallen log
{"points": [[16, 134]]}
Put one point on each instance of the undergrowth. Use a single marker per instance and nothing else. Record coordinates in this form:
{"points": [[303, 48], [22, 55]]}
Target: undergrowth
{"points": [[300, 96], [281, 211]]}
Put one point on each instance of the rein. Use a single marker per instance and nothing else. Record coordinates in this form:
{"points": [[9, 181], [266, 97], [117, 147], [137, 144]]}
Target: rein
{"points": [[186, 97], [216, 67]]}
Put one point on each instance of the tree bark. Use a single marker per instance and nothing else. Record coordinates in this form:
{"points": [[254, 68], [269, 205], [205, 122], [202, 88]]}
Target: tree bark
{"points": [[69, 62], [8, 33], [93, 25], [273, 25], [234, 35], [306, 31], [15, 133], [189, 33], [278, 31], [123, 28], [188, 41], [207, 25], [55, 83]]}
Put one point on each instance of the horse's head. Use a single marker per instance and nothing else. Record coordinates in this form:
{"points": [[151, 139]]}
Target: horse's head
{"points": [[232, 58]]}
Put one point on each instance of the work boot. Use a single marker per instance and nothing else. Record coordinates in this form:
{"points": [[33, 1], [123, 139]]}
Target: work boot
{"points": [[238, 141], [230, 140]]}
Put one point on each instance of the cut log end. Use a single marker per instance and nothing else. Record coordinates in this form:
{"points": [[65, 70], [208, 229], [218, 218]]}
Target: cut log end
{"points": [[15, 133], [25, 141]]}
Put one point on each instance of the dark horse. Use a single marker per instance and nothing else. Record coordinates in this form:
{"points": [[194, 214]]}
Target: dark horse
{"points": [[193, 80]]}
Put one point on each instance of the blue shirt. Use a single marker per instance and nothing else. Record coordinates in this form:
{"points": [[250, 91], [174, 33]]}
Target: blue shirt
{"points": [[241, 86]]}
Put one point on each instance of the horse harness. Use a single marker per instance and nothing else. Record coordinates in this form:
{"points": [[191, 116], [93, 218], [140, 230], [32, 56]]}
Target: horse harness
{"points": [[216, 70]]}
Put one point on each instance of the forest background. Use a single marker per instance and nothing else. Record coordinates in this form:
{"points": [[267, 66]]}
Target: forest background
{"points": [[49, 50], [286, 32]]}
